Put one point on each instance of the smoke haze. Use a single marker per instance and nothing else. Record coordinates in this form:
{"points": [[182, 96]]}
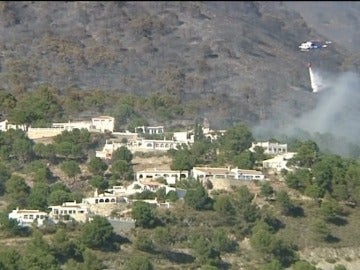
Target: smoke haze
{"points": [[333, 124]]}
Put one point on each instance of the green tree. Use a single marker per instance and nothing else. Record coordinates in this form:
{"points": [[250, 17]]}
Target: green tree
{"points": [[299, 179], [223, 204], [198, 198], [266, 190], [259, 154], [7, 102], [39, 171], [16, 146], [313, 191], [320, 230], [204, 251], [161, 194], [143, 214], [263, 241], [38, 198], [99, 182], [9, 259], [138, 263], [182, 160], [330, 210], [97, 233], [40, 105], [144, 243], [162, 239], [171, 196], [62, 247], [22, 149], [46, 151], [17, 191], [122, 153], [244, 196], [273, 265], [97, 166], [10, 227], [74, 143], [222, 242], [236, 140], [122, 169], [38, 255], [339, 267], [203, 151], [57, 197], [244, 160], [123, 112], [90, 262], [71, 168], [307, 154], [285, 203], [5, 175], [303, 265]]}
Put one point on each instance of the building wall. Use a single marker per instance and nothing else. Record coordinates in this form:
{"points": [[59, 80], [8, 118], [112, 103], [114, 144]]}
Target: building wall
{"points": [[103, 123], [37, 133]]}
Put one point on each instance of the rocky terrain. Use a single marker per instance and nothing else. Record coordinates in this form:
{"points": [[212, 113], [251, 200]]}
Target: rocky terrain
{"points": [[239, 60]]}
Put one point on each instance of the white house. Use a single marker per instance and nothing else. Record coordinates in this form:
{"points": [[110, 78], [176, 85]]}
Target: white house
{"points": [[240, 174], [169, 175], [100, 123], [150, 130], [5, 126], [270, 148], [69, 126], [213, 134], [137, 145], [27, 217], [183, 137], [103, 123], [210, 173], [105, 198], [278, 162], [77, 211]]}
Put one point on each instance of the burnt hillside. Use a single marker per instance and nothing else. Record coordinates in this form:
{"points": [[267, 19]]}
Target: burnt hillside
{"points": [[238, 60]]}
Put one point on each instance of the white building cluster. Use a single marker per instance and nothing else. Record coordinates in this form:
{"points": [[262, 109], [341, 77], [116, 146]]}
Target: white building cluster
{"points": [[97, 124], [104, 204], [98, 204]]}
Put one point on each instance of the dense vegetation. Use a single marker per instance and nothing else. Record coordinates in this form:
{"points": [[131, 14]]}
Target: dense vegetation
{"points": [[203, 230]]}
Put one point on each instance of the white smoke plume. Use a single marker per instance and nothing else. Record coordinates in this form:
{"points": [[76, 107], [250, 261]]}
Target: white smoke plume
{"points": [[336, 115], [317, 84]]}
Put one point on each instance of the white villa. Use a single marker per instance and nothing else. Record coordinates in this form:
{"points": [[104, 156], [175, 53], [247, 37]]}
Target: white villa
{"points": [[101, 124], [26, 218], [104, 198], [150, 130], [136, 144], [270, 148], [211, 173], [247, 174], [169, 175], [279, 162], [77, 211], [97, 124], [5, 126]]}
